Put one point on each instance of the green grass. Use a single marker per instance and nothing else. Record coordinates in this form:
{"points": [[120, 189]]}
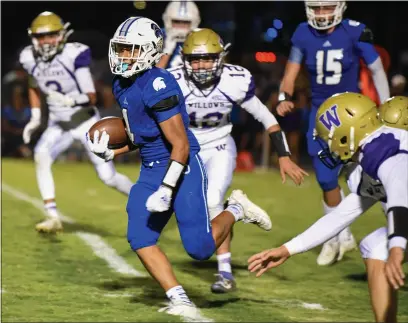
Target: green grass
{"points": [[59, 279]]}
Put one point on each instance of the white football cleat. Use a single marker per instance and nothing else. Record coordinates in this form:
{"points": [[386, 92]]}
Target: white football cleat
{"points": [[252, 212], [329, 252], [347, 243], [188, 311], [50, 225]]}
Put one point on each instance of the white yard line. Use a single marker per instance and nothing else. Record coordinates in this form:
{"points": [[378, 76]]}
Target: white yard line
{"points": [[99, 247]]}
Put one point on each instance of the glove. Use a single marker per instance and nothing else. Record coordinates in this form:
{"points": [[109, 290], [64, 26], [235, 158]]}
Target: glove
{"points": [[160, 200], [32, 125], [55, 98], [170, 43], [100, 146]]}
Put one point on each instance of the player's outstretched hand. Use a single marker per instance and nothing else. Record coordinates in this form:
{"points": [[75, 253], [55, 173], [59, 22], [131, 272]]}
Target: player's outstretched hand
{"points": [[285, 107], [287, 166], [160, 200], [393, 267], [265, 260], [99, 146]]}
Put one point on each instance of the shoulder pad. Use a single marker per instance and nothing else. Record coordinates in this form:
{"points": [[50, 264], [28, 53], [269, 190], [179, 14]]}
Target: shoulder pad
{"points": [[366, 36]]}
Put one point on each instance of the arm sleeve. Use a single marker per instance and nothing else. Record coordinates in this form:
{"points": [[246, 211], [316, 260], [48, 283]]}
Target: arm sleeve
{"points": [[260, 112], [296, 55], [85, 81], [380, 79], [331, 224]]}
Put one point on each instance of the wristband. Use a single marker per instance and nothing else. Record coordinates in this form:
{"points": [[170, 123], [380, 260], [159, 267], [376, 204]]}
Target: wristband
{"points": [[173, 173], [279, 142], [81, 99], [397, 227], [35, 113], [283, 96]]}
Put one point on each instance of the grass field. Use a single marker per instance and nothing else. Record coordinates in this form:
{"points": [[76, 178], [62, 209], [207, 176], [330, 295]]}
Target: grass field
{"points": [[61, 279]]}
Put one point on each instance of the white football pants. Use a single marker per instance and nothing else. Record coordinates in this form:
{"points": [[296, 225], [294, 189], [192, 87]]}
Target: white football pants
{"points": [[219, 158], [54, 141]]}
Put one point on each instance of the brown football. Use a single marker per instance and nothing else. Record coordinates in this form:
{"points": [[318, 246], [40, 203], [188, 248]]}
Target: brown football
{"points": [[115, 127]]}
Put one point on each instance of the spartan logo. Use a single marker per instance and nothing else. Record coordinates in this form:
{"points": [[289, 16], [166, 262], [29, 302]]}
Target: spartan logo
{"points": [[330, 118], [157, 31], [159, 84]]}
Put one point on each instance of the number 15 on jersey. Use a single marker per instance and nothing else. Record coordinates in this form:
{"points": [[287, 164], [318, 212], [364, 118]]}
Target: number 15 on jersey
{"points": [[329, 61]]}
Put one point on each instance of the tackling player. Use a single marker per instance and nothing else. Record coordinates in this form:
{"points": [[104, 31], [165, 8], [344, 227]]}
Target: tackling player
{"points": [[357, 132], [60, 70], [211, 89], [331, 48], [172, 176], [180, 17]]}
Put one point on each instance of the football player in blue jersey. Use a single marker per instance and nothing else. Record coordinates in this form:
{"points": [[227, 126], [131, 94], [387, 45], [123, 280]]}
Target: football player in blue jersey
{"points": [[180, 17], [172, 176], [331, 48]]}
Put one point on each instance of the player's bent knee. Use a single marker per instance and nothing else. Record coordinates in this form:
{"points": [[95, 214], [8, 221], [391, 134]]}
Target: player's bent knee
{"points": [[327, 186], [374, 246], [199, 249]]}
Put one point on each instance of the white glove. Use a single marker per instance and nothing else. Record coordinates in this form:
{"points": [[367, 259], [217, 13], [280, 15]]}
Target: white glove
{"points": [[160, 200], [32, 125], [100, 146], [55, 98], [170, 43]]}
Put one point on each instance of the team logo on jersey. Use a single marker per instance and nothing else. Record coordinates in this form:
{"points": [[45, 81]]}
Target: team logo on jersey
{"points": [[330, 118], [125, 102], [159, 84]]}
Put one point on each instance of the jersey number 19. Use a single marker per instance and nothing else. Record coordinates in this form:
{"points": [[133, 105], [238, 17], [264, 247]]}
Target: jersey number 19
{"points": [[332, 58]]}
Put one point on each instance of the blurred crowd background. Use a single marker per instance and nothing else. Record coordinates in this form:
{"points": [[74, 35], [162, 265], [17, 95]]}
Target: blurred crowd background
{"points": [[260, 34]]}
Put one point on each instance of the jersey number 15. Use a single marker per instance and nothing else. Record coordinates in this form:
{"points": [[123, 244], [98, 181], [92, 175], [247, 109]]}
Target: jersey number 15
{"points": [[329, 61]]}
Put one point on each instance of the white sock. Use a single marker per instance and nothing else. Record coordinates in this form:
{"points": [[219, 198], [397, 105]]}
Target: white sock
{"points": [[224, 262], [237, 211], [327, 209], [51, 209], [178, 293]]}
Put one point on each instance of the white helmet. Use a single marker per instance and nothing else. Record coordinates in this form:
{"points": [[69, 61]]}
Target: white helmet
{"points": [[144, 40], [324, 21], [181, 11]]}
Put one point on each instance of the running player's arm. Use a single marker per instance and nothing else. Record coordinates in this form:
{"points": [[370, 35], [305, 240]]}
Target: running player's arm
{"points": [[34, 93], [85, 80], [292, 69], [163, 61], [373, 60]]}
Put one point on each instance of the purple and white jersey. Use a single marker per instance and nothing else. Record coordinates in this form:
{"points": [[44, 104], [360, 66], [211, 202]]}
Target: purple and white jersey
{"points": [[67, 72]]}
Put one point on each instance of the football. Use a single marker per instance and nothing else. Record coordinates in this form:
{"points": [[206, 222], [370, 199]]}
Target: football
{"points": [[115, 127]]}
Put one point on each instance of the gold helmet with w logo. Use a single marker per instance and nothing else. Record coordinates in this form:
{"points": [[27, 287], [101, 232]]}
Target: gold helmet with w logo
{"points": [[203, 55], [48, 34], [394, 112], [342, 122]]}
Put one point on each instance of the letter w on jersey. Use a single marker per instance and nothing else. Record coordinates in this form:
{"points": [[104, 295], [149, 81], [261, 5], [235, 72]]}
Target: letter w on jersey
{"points": [[330, 118]]}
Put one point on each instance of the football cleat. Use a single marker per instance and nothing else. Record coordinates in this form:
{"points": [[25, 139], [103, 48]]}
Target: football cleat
{"points": [[223, 284], [252, 212], [329, 252], [188, 311], [50, 225], [347, 243]]}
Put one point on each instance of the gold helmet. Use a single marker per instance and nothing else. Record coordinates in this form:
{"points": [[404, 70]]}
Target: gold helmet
{"points": [[394, 112], [342, 122], [48, 24], [203, 45]]}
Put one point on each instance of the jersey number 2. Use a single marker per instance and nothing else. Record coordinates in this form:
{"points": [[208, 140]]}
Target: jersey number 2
{"points": [[329, 61]]}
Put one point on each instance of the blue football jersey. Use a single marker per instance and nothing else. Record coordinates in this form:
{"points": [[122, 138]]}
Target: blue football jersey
{"points": [[332, 60], [136, 98]]}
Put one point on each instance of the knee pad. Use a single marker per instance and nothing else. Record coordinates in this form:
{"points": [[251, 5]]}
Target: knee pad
{"points": [[374, 246], [215, 203], [200, 248]]}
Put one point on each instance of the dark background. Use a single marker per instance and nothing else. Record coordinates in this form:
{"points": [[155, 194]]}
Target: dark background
{"points": [[241, 23]]}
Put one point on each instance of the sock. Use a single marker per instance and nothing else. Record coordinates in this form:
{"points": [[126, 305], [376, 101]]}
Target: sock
{"points": [[236, 210], [327, 209], [177, 293], [51, 209], [224, 262]]}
